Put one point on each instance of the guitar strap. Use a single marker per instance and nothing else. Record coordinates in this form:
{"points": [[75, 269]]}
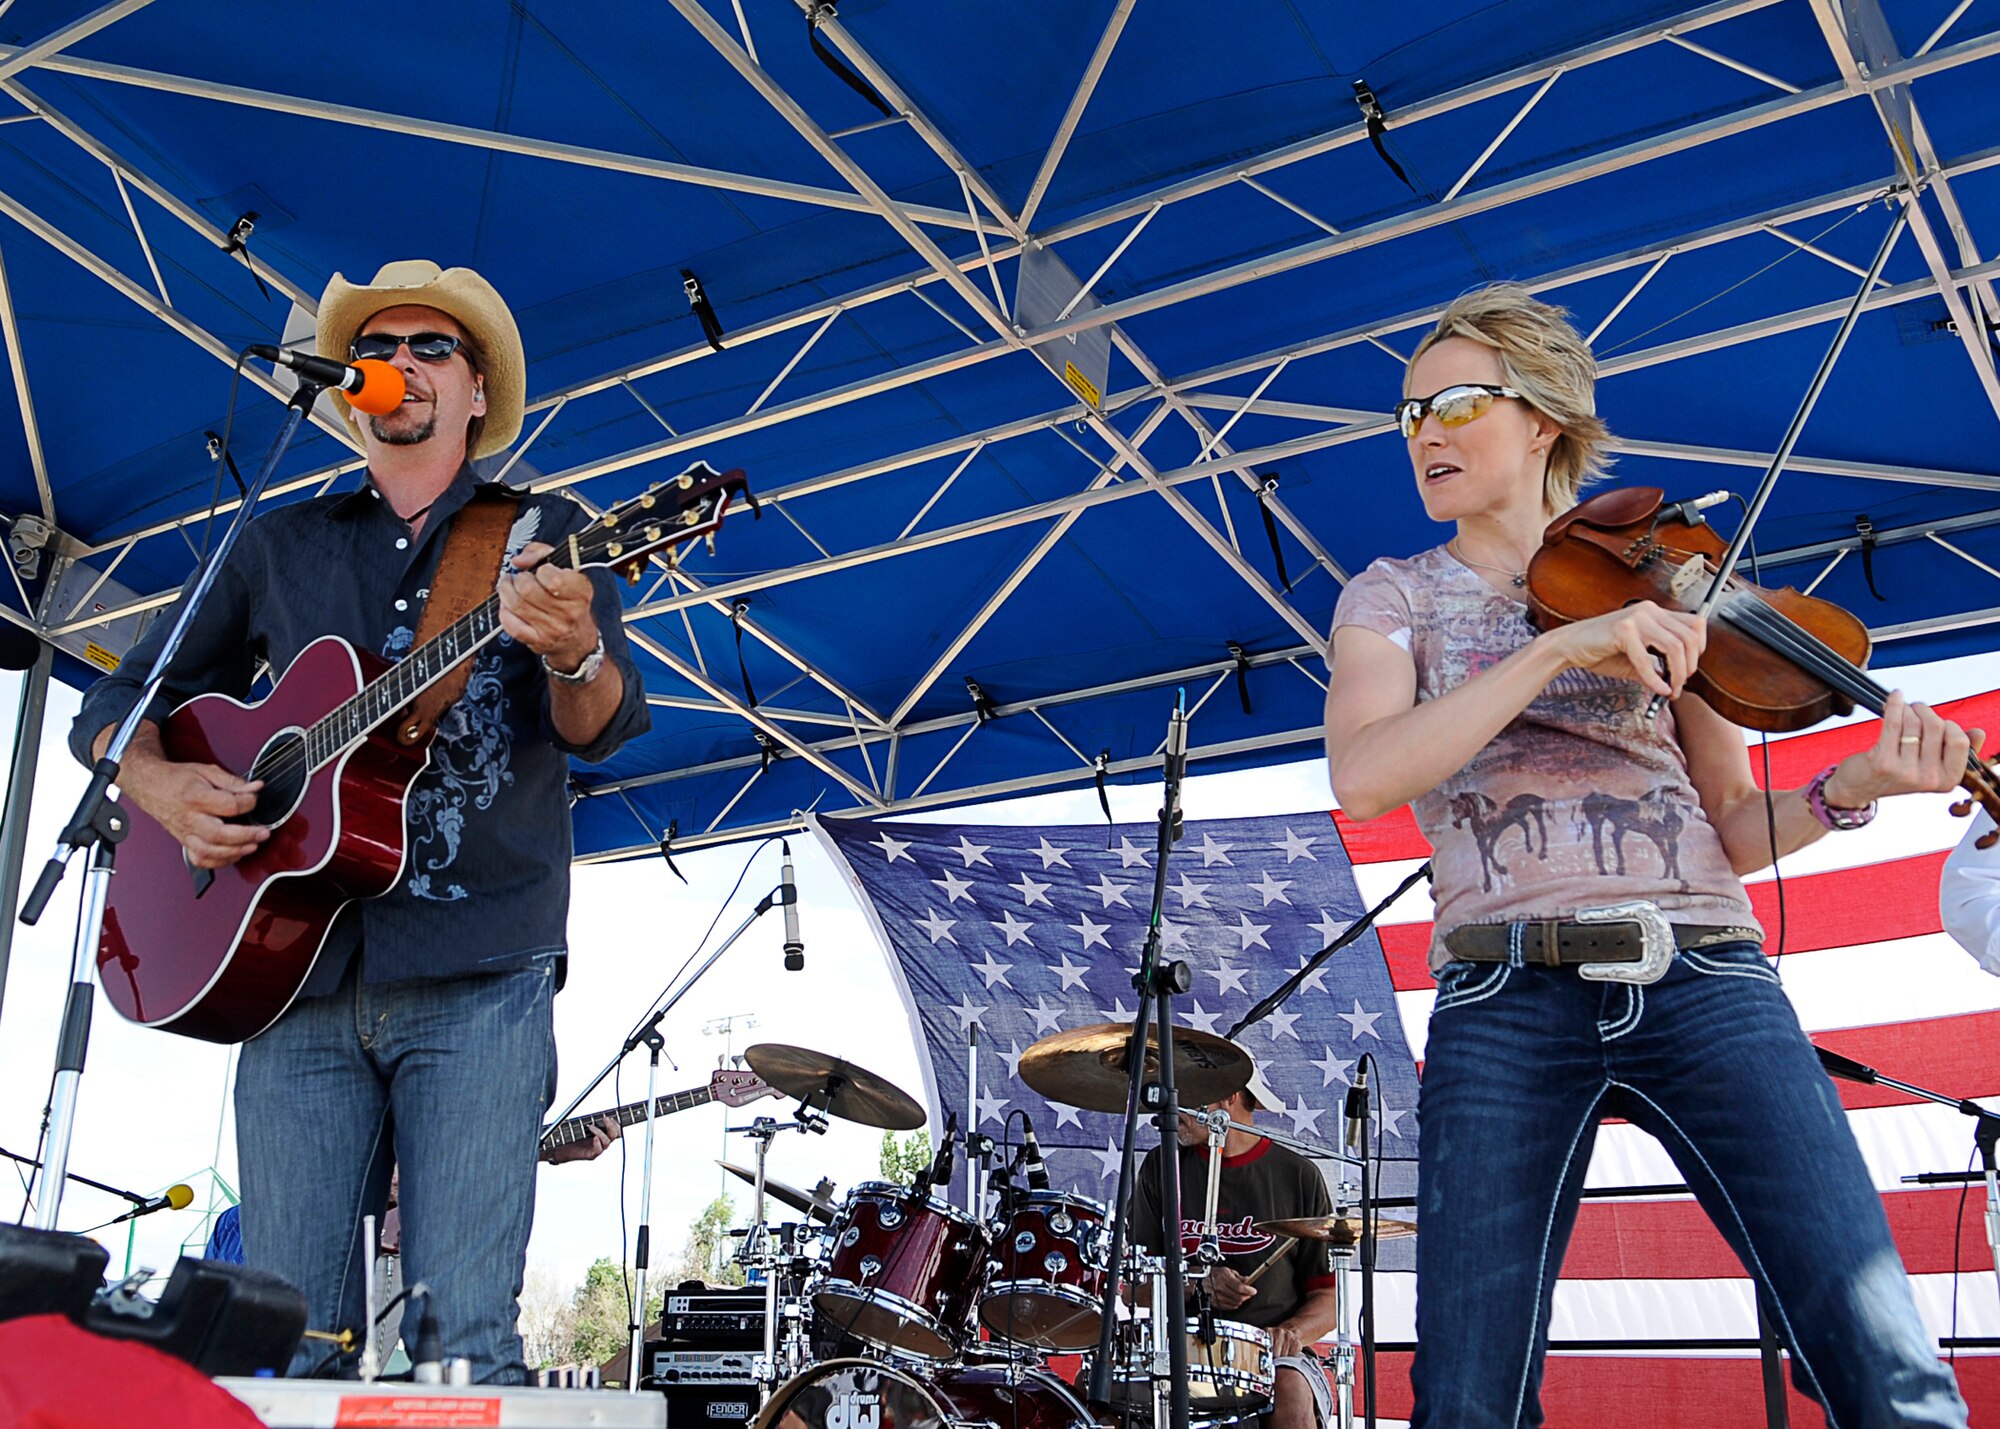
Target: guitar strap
{"points": [[467, 571]]}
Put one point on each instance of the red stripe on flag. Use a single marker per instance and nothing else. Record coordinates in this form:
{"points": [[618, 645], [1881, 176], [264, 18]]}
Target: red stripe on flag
{"points": [[1795, 760], [1871, 903], [1674, 1240], [1621, 1392], [1947, 1054], [1393, 836]]}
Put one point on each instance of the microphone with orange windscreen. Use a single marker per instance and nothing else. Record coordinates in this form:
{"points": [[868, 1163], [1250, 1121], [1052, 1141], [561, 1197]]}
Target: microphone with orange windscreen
{"points": [[370, 384]]}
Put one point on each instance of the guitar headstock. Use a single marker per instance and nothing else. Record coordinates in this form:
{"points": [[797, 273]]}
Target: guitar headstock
{"points": [[739, 1088], [668, 513]]}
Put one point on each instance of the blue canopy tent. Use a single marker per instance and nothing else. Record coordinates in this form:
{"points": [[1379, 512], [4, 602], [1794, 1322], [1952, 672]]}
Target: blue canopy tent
{"points": [[1032, 321]]}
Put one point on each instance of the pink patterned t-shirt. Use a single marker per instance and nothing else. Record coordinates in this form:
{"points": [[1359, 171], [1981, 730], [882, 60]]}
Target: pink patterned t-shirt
{"points": [[1579, 802]]}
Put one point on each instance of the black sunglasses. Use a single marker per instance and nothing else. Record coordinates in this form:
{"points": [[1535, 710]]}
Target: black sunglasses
{"points": [[424, 346]]}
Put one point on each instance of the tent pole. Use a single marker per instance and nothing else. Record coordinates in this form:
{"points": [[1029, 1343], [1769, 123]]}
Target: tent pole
{"points": [[20, 792]]}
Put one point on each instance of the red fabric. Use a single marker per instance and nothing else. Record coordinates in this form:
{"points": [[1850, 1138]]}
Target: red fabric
{"points": [[56, 1376], [1631, 1392], [1256, 1153]]}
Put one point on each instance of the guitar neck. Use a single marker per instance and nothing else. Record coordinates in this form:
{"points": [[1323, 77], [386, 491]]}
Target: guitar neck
{"points": [[578, 1128]]}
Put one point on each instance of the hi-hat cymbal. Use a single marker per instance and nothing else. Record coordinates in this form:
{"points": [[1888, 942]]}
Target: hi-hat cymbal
{"points": [[820, 1209], [1086, 1067], [836, 1087], [1340, 1230]]}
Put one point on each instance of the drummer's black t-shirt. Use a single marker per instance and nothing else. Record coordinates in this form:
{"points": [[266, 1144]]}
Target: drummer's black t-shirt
{"points": [[1265, 1183]]}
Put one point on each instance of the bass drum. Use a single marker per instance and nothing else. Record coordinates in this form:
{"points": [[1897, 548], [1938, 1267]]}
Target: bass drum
{"points": [[869, 1394]]}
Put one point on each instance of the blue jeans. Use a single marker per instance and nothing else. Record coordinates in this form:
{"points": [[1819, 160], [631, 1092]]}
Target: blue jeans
{"points": [[448, 1080], [1522, 1063]]}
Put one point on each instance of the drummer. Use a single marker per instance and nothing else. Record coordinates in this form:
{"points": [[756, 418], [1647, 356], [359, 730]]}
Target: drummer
{"points": [[1296, 1298]]}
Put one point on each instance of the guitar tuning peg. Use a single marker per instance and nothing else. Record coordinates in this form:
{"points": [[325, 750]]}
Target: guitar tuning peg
{"points": [[690, 518], [711, 543], [647, 501], [652, 534], [633, 572], [684, 481]]}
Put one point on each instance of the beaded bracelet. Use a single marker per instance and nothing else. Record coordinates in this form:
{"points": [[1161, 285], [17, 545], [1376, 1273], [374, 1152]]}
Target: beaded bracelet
{"points": [[1832, 815]]}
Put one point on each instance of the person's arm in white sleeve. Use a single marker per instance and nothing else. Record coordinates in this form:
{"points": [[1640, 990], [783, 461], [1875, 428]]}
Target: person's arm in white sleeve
{"points": [[1969, 895]]}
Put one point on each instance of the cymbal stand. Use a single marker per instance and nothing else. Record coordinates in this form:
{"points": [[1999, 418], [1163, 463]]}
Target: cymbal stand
{"points": [[759, 1251], [1157, 982], [649, 1034], [98, 824], [1208, 1254]]}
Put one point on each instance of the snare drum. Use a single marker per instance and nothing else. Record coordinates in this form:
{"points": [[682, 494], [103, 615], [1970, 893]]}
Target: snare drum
{"points": [[1048, 1273], [870, 1394], [903, 1272], [1232, 1375]]}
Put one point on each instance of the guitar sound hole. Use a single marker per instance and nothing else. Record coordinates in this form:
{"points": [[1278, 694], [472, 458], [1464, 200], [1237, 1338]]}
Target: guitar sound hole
{"points": [[283, 767]]}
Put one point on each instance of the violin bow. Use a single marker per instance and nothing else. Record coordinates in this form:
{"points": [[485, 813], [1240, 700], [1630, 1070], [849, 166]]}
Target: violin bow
{"points": [[1727, 566]]}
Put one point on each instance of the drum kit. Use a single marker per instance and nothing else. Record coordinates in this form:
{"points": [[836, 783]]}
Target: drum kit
{"points": [[893, 1307]]}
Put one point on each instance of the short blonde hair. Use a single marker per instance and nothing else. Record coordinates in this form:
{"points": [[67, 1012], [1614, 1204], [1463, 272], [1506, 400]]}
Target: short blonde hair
{"points": [[1543, 357]]}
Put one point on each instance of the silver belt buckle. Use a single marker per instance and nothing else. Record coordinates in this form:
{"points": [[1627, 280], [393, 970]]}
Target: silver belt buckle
{"points": [[1656, 943]]}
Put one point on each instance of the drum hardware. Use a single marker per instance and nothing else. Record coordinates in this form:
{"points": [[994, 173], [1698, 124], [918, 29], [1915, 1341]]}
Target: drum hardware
{"points": [[761, 1252], [817, 1204], [851, 1393]]}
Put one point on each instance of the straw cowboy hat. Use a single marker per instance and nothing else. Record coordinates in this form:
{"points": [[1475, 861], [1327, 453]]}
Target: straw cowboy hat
{"points": [[470, 300]]}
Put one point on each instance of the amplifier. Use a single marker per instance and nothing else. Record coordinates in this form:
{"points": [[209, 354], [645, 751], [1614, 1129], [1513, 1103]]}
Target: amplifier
{"points": [[715, 1319], [671, 1366]]}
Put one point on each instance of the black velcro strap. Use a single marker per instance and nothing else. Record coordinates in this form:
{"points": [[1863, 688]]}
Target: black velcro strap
{"points": [[983, 707], [1242, 659], [711, 326], [1267, 489], [1102, 766], [238, 241], [771, 752], [1865, 529], [833, 61], [667, 849], [737, 611], [1378, 125], [218, 452]]}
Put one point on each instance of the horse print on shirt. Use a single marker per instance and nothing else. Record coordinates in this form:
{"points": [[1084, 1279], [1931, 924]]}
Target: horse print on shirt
{"points": [[1489, 821], [1654, 815]]}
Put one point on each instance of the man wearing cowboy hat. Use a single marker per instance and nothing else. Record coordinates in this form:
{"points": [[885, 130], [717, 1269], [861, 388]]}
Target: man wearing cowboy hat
{"points": [[1295, 1297], [423, 1035]]}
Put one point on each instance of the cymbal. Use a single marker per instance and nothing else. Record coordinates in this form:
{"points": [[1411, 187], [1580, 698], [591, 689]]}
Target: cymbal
{"points": [[1085, 1066], [1340, 1230], [836, 1087], [818, 1208]]}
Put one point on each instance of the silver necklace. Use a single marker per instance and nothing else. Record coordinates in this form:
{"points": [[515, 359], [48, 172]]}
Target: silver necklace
{"points": [[1518, 578]]}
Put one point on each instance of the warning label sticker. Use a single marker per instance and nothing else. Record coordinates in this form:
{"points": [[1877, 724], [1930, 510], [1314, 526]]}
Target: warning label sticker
{"points": [[416, 1411], [1081, 385], [100, 657]]}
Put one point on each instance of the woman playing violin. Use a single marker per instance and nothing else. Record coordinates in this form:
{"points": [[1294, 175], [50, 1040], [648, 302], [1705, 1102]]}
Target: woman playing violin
{"points": [[1577, 838]]}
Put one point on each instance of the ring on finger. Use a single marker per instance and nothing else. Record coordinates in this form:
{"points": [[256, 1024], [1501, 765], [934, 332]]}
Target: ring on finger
{"points": [[1910, 739]]}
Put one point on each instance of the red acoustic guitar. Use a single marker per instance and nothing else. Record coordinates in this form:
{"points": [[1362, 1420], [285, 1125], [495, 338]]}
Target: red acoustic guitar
{"points": [[221, 957]]}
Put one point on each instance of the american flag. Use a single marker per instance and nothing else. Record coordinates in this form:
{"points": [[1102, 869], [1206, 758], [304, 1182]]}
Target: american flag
{"points": [[1022, 932]]}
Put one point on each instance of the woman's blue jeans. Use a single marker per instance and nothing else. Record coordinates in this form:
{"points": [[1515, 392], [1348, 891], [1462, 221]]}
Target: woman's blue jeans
{"points": [[1522, 1063]]}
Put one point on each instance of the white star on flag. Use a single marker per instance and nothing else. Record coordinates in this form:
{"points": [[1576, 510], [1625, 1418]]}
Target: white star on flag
{"points": [[1173, 937], [1130, 853], [1015, 930], [1200, 1020], [1332, 1067], [1108, 1159], [1392, 1120], [1050, 855], [1213, 852], [1227, 978], [992, 1109], [1070, 973], [1118, 1011], [1012, 1057], [1091, 933], [973, 853], [1192, 894], [1273, 889], [1032, 892], [1304, 1119], [935, 927], [954, 887], [1110, 892], [968, 1012], [1314, 981], [1362, 1023], [1279, 1023], [1047, 1019], [1251, 934], [1329, 927], [1297, 848], [993, 971], [1066, 1115], [894, 848]]}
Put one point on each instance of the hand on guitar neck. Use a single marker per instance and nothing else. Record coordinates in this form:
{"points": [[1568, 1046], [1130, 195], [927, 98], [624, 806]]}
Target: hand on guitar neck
{"points": [[193, 802], [603, 1130]]}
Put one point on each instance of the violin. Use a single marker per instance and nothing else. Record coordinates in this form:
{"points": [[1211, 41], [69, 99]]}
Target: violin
{"points": [[1776, 660]]}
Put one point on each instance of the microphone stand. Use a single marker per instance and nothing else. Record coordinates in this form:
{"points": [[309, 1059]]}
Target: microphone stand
{"points": [[642, 1255], [1157, 982], [99, 824]]}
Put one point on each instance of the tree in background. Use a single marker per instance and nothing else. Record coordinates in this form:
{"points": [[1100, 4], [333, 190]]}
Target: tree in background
{"points": [[548, 1321], [602, 1309], [903, 1159], [710, 1252]]}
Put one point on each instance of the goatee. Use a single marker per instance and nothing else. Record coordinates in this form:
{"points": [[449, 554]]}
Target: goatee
{"points": [[403, 436]]}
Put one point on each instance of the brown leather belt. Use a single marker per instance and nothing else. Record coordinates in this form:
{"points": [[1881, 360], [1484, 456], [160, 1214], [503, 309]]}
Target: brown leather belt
{"points": [[1554, 942]]}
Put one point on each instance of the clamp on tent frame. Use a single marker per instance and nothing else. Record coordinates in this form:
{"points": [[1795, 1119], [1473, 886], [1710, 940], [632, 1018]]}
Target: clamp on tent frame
{"points": [[711, 326], [983, 707], [1865, 529], [1242, 659], [1378, 125], [1267, 488]]}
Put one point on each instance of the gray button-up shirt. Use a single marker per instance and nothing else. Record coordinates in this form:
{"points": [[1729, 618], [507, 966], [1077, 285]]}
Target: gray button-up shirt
{"points": [[486, 882]]}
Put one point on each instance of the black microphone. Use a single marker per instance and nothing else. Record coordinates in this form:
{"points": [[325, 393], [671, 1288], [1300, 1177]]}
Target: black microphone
{"points": [[1688, 512], [1032, 1160], [795, 951], [176, 1198], [938, 1173], [378, 386], [1357, 1112], [1839, 1066]]}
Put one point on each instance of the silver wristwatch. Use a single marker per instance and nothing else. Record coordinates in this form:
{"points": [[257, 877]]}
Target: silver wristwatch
{"points": [[583, 674]]}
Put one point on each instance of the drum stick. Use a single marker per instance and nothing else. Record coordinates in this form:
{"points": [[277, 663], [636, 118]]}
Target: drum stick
{"points": [[1271, 1260]]}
